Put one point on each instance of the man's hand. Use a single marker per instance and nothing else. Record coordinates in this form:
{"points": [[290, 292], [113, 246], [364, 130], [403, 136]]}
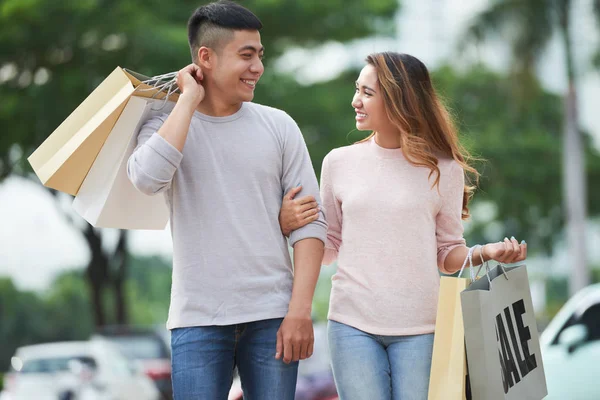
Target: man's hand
{"points": [[177, 125], [295, 213], [295, 337], [189, 81]]}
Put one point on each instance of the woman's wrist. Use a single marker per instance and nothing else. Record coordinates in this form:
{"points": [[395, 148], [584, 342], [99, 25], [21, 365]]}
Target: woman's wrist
{"points": [[482, 254]]}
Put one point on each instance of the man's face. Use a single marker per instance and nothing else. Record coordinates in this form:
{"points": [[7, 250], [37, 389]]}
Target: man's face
{"points": [[238, 67]]}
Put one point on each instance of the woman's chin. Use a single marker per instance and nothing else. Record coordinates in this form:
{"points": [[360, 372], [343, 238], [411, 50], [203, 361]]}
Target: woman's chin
{"points": [[361, 126]]}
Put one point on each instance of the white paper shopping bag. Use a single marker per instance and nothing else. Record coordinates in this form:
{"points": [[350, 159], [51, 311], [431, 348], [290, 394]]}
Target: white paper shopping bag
{"points": [[107, 198], [63, 160], [501, 337]]}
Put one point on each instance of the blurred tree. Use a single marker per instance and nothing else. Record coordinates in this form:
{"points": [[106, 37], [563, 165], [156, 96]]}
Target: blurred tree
{"points": [[148, 290], [62, 312], [529, 25], [521, 151], [322, 110], [22, 316], [53, 54], [596, 5], [27, 317]]}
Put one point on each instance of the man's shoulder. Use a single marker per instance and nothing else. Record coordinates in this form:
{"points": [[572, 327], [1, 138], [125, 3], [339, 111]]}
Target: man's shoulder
{"points": [[269, 112], [154, 120]]}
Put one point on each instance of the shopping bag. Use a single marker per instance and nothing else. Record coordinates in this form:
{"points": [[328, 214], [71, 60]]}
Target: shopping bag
{"points": [[107, 198], [449, 364], [448, 377], [63, 160], [502, 341]]}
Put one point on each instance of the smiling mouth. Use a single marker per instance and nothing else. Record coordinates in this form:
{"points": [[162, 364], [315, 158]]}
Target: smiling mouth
{"points": [[361, 115], [249, 82]]}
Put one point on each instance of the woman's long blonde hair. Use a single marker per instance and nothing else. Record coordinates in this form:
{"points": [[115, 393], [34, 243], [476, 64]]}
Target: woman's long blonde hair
{"points": [[425, 128]]}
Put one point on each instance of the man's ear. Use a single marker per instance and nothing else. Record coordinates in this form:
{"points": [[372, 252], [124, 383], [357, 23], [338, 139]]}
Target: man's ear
{"points": [[206, 57]]}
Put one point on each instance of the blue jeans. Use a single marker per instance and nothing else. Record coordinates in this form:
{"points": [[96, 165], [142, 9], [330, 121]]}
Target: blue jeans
{"points": [[203, 359], [367, 366]]}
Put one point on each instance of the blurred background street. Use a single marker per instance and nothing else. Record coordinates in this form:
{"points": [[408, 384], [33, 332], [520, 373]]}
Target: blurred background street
{"points": [[522, 78]]}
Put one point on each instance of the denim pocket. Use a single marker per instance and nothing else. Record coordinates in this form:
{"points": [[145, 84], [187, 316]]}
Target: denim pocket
{"points": [[177, 334]]}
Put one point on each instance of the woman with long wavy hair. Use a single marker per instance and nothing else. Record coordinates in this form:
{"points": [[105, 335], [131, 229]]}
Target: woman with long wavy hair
{"points": [[394, 203]]}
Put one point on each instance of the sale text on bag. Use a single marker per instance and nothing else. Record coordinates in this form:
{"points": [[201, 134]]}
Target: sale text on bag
{"points": [[514, 365]]}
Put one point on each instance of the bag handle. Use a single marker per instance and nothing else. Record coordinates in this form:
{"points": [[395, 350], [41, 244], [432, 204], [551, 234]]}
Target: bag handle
{"points": [[484, 263], [469, 258], [487, 267], [165, 83]]}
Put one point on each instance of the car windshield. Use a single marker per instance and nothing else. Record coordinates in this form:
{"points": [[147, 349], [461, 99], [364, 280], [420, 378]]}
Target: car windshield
{"points": [[140, 347], [53, 365]]}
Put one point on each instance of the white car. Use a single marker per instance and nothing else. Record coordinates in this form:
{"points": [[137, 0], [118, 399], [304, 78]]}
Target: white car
{"points": [[571, 348], [82, 370]]}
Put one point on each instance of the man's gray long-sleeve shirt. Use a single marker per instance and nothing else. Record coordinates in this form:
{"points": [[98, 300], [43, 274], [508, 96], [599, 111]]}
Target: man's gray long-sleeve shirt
{"points": [[231, 263]]}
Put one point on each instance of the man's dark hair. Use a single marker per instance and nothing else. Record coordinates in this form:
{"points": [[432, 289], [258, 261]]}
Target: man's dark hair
{"points": [[212, 25]]}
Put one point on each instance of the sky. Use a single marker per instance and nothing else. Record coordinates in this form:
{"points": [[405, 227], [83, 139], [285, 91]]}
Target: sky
{"points": [[37, 242]]}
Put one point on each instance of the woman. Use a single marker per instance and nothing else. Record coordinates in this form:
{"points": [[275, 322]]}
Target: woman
{"points": [[394, 203]]}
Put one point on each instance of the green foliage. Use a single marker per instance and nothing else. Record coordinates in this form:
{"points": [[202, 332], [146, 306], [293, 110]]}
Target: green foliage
{"points": [[54, 53], [69, 308], [61, 314], [322, 110], [527, 27], [557, 292], [521, 148], [148, 290], [64, 311], [22, 316], [322, 293]]}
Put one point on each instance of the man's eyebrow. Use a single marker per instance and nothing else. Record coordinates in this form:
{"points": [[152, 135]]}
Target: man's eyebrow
{"points": [[251, 48]]}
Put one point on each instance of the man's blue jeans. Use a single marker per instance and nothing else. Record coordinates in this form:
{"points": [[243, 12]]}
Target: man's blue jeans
{"points": [[203, 359]]}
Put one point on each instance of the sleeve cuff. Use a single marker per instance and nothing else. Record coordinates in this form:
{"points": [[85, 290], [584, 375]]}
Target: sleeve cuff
{"points": [[443, 254], [315, 230], [162, 147]]}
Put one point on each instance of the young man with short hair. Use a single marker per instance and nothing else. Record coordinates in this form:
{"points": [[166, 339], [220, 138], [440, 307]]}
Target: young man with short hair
{"points": [[223, 164]]}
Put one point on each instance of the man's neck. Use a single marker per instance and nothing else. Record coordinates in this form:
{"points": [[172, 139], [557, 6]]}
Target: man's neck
{"points": [[217, 107]]}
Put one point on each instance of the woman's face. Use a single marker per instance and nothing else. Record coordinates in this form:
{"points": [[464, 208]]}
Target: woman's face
{"points": [[368, 101]]}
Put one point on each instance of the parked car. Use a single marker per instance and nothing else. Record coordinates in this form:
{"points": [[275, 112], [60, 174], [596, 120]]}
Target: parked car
{"points": [[571, 348], [147, 347], [76, 370]]}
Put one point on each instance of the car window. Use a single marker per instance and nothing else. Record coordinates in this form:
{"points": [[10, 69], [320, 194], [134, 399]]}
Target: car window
{"points": [[52, 365], [591, 319]]}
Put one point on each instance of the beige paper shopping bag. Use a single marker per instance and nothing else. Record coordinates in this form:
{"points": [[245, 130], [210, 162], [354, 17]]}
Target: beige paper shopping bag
{"points": [[449, 364], [107, 198], [63, 160]]}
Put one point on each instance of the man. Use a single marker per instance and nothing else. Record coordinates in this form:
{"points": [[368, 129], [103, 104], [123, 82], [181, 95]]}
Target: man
{"points": [[223, 164]]}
